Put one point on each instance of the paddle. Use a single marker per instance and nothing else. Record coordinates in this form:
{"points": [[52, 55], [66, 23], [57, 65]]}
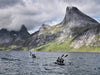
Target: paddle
{"points": [[64, 55]]}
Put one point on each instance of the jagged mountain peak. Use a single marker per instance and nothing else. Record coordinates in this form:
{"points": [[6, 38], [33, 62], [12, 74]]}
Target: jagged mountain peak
{"points": [[4, 30], [9, 36], [72, 8], [23, 28], [77, 29], [23, 33], [74, 17]]}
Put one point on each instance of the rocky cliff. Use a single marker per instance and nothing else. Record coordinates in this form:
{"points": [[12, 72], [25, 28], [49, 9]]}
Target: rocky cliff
{"points": [[77, 30], [8, 38], [77, 26], [44, 35]]}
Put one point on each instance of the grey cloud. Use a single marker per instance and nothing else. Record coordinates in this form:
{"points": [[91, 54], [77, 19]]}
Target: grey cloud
{"points": [[33, 13], [7, 3]]}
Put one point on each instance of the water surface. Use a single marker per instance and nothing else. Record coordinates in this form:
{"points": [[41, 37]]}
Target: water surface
{"points": [[21, 63]]}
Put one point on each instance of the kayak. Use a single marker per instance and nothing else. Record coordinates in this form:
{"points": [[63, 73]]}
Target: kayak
{"points": [[59, 63]]}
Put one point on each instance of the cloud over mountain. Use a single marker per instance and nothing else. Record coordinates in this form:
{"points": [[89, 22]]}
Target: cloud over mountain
{"points": [[33, 13]]}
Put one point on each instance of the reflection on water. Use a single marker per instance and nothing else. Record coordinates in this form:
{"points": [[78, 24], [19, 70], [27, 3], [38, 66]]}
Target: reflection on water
{"points": [[21, 63]]}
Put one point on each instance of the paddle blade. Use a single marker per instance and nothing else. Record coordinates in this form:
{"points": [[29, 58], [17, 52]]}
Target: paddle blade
{"points": [[66, 55]]}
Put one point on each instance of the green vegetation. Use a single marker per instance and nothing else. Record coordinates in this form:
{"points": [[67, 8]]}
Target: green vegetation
{"points": [[24, 48], [58, 46], [5, 48], [65, 46], [96, 41], [13, 47], [87, 49], [2, 48], [53, 29], [9, 48], [55, 46]]}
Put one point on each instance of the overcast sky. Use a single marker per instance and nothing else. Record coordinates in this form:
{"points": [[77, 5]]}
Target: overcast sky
{"points": [[34, 13]]}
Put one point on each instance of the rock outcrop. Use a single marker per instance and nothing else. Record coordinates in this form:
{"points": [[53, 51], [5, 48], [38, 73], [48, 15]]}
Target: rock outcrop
{"points": [[11, 37], [74, 17], [76, 25], [41, 37], [90, 37]]}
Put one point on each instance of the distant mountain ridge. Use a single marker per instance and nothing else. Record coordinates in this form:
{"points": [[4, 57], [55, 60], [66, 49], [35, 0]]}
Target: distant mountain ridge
{"points": [[77, 26], [11, 37], [77, 30]]}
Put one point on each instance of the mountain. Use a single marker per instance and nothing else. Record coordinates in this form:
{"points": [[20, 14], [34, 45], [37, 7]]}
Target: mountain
{"points": [[43, 36], [8, 38], [74, 17], [76, 20], [77, 30]]}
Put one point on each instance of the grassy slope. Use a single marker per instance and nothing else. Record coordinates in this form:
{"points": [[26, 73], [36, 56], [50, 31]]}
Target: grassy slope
{"points": [[54, 46], [87, 49], [65, 46], [13, 47]]}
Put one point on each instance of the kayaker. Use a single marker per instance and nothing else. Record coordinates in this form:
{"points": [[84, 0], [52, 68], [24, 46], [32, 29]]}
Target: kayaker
{"points": [[33, 55], [60, 60]]}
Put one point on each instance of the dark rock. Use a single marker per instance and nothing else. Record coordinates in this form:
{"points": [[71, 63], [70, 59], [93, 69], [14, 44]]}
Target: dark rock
{"points": [[75, 25], [11, 37], [74, 17]]}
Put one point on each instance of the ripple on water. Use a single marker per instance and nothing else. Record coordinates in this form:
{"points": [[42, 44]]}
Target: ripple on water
{"points": [[21, 63]]}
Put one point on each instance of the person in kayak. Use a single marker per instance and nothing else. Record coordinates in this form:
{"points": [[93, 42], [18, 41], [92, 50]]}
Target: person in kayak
{"points": [[60, 60], [33, 55]]}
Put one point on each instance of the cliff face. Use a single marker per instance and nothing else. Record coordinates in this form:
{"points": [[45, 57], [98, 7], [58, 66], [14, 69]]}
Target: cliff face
{"points": [[76, 25], [74, 17], [11, 37], [76, 22], [44, 35], [76, 30], [90, 37]]}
